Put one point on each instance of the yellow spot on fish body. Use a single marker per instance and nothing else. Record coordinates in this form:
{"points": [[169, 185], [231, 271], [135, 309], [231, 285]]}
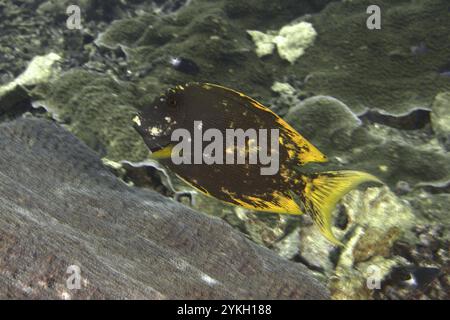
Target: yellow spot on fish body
{"points": [[137, 120], [155, 131], [279, 204]]}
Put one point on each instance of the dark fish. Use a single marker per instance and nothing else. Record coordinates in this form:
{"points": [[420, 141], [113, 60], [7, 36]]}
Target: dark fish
{"points": [[415, 276], [185, 65], [287, 191], [420, 49]]}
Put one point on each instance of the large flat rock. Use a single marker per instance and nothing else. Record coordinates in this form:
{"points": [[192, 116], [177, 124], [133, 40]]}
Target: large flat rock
{"points": [[59, 207]]}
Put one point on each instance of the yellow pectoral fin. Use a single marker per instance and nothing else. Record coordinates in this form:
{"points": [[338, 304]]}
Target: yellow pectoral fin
{"points": [[163, 153]]}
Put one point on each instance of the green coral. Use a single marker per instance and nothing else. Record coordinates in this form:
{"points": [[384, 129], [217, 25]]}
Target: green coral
{"points": [[98, 110], [212, 33], [375, 69], [378, 68]]}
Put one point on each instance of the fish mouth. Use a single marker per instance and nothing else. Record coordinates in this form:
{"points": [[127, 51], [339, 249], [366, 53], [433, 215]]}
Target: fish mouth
{"points": [[158, 147]]}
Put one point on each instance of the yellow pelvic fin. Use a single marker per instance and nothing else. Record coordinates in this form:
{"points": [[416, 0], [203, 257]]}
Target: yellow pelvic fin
{"points": [[163, 153], [323, 191]]}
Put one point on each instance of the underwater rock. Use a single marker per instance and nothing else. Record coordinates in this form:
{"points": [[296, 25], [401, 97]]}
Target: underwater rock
{"points": [[412, 282], [374, 208], [432, 207], [370, 233], [103, 11], [356, 283], [267, 229], [378, 219], [375, 243], [289, 246], [414, 120], [425, 257], [440, 117], [315, 251], [347, 61], [14, 102], [60, 207]]}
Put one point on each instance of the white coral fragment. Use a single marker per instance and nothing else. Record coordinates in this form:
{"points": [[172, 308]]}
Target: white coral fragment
{"points": [[291, 41], [264, 42]]}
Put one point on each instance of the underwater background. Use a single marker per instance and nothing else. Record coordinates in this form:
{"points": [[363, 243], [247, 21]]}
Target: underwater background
{"points": [[371, 99]]}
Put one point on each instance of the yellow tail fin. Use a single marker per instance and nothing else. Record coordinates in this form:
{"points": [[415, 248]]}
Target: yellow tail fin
{"points": [[322, 192]]}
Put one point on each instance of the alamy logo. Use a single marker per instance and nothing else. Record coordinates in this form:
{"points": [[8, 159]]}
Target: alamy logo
{"points": [[74, 17], [73, 282], [235, 147], [374, 278], [374, 20]]}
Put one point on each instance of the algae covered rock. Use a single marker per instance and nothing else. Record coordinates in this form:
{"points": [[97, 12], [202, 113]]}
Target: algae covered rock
{"points": [[325, 121], [440, 117], [98, 110], [365, 69], [377, 220], [210, 33], [379, 69]]}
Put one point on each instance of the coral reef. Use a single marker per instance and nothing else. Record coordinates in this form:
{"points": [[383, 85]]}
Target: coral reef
{"points": [[98, 111]]}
